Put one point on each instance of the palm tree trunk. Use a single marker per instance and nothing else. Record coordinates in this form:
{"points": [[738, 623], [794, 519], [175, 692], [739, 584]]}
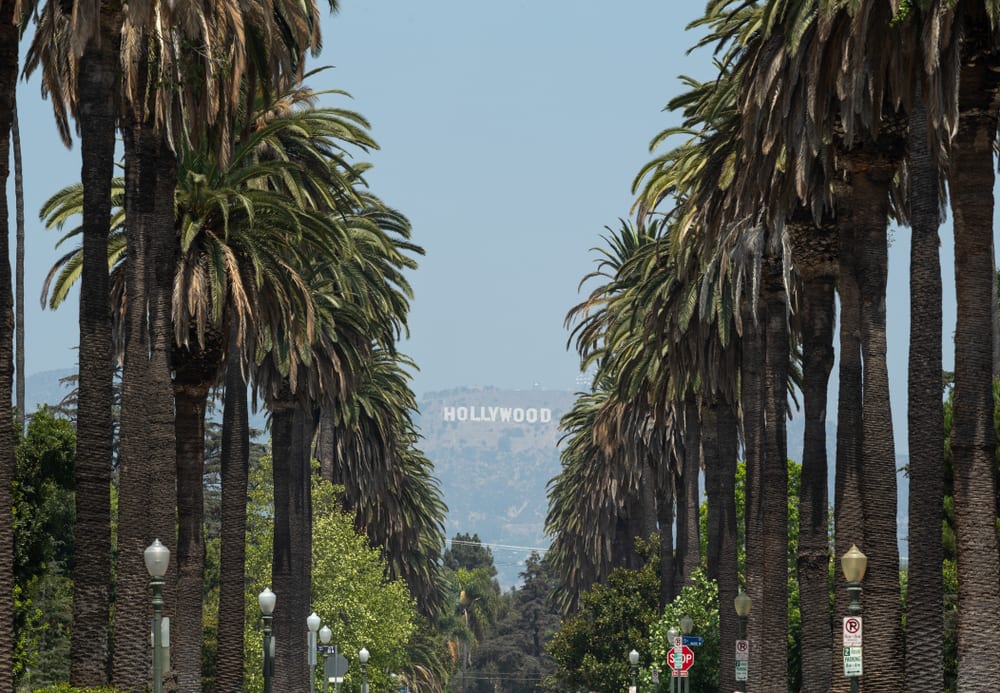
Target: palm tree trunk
{"points": [[147, 458], [814, 255], [884, 618], [719, 441], [848, 517], [752, 403], [190, 401], [774, 501], [8, 81], [665, 475], [235, 473], [925, 417], [19, 402], [971, 181], [89, 664], [688, 527], [324, 444], [291, 433]]}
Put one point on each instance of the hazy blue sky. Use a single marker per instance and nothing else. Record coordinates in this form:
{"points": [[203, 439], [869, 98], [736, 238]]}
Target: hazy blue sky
{"points": [[510, 136]]}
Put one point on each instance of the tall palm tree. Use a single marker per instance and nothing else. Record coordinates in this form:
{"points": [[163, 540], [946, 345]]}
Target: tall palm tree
{"points": [[812, 49], [925, 414], [300, 368], [239, 226], [592, 537], [235, 459], [367, 444], [654, 435], [971, 181], [8, 78]]}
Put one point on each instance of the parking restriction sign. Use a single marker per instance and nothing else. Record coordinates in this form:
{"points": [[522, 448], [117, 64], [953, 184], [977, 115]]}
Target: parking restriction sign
{"points": [[852, 631]]}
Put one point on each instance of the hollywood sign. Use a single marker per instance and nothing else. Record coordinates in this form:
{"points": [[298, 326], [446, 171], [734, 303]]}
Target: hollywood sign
{"points": [[500, 414]]}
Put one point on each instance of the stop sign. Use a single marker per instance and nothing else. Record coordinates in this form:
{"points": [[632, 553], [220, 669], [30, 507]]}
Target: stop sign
{"points": [[687, 658]]}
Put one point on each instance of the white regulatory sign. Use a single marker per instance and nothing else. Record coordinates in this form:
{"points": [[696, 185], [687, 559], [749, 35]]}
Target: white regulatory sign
{"points": [[742, 650], [852, 631], [852, 661], [742, 669]]}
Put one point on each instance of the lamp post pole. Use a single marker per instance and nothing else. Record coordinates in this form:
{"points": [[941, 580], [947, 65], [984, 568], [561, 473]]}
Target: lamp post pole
{"points": [[633, 660], [853, 563], [742, 603], [324, 637], [157, 557], [266, 601], [687, 625], [363, 658], [312, 623], [672, 635]]}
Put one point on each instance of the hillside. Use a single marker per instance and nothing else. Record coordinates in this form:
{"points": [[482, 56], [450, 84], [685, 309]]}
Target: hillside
{"points": [[494, 452]]}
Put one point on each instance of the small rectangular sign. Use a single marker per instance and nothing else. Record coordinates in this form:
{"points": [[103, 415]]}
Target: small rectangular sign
{"points": [[852, 661], [693, 640], [742, 650], [742, 669], [852, 631]]}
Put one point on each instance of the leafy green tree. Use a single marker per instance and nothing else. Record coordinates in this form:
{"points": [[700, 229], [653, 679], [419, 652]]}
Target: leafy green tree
{"points": [[43, 549], [349, 589], [512, 655], [700, 602], [467, 551], [591, 649]]}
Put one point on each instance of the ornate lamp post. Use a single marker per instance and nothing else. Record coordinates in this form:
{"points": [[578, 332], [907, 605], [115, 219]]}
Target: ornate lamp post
{"points": [[324, 637], [742, 604], [157, 557], [312, 623], [853, 563], [633, 659], [687, 625], [672, 635], [363, 658], [266, 601]]}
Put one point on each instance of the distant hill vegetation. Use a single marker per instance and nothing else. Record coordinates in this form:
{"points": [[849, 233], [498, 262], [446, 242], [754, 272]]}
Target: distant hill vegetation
{"points": [[494, 452]]}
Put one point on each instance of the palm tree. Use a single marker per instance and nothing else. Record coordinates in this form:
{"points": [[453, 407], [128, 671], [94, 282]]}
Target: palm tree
{"points": [[367, 444], [235, 227], [301, 367], [650, 440], [805, 51], [235, 458], [971, 180], [8, 79], [591, 515], [925, 414]]}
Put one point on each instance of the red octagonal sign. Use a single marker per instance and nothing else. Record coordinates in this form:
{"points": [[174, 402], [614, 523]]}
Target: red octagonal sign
{"points": [[687, 658]]}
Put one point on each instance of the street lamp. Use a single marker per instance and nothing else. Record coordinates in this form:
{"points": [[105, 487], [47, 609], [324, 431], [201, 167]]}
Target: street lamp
{"points": [[266, 601], [363, 658], [324, 637], [742, 604], [687, 625], [633, 659], [672, 635], [157, 557], [312, 623], [853, 563]]}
